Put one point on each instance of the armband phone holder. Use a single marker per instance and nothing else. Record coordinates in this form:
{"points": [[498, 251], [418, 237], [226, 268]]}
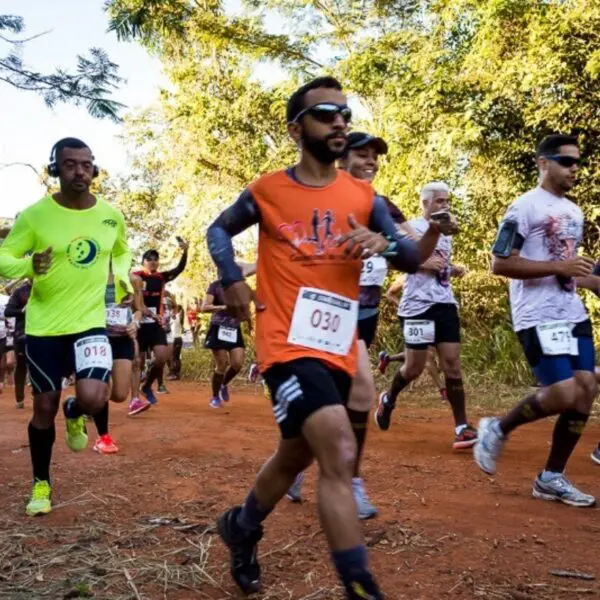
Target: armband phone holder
{"points": [[505, 240]]}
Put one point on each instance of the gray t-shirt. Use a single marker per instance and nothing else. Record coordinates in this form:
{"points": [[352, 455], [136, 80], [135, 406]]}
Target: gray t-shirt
{"points": [[423, 290], [552, 229]]}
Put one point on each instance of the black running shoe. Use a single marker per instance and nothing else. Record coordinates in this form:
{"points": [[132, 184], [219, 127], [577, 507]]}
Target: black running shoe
{"points": [[242, 544], [383, 414], [363, 588]]}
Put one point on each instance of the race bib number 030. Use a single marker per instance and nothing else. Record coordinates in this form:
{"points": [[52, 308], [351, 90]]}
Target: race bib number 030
{"points": [[373, 271], [323, 321], [555, 338], [419, 332], [117, 316], [227, 334], [93, 352]]}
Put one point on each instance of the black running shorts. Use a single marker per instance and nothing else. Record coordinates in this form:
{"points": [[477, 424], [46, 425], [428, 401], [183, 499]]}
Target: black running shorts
{"points": [[122, 347], [49, 359], [367, 329], [300, 388], [151, 335], [447, 324], [216, 341]]}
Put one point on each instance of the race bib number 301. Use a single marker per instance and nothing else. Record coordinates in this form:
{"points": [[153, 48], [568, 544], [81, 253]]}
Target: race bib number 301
{"points": [[419, 331], [323, 321], [93, 352], [556, 339]]}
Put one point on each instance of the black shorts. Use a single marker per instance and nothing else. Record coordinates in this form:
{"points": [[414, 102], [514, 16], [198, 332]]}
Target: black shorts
{"points": [[3, 346], [447, 325], [300, 388], [367, 328], [122, 347], [20, 346], [151, 335], [50, 358], [213, 341]]}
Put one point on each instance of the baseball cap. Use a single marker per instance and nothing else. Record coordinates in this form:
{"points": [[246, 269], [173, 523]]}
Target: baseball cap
{"points": [[358, 139], [150, 255]]}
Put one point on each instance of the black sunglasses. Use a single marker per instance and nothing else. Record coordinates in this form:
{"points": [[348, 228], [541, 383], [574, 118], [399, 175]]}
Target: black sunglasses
{"points": [[563, 160], [326, 112]]}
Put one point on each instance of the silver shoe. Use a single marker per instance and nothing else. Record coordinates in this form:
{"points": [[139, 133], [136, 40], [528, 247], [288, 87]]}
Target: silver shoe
{"points": [[294, 494], [560, 489], [365, 509], [489, 445]]}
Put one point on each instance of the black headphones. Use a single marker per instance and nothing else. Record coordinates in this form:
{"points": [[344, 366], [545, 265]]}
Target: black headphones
{"points": [[53, 167]]}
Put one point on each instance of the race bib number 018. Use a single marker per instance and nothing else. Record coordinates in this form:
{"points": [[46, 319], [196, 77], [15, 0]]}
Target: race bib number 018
{"points": [[374, 271], [93, 352], [117, 316], [227, 334], [556, 338], [419, 332], [323, 321]]}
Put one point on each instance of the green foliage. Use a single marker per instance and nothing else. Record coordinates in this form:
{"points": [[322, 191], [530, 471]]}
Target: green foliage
{"points": [[462, 90]]}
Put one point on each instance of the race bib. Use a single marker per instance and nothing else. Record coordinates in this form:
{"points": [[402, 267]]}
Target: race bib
{"points": [[10, 341], [323, 321], [555, 338], [228, 334], [419, 332], [170, 338], [150, 319], [117, 316], [93, 352], [374, 271], [2, 327]]}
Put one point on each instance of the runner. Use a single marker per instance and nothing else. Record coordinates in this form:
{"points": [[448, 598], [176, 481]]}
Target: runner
{"points": [[224, 338], [3, 340], [177, 331], [169, 306], [15, 309], [429, 315], [305, 331], [536, 248], [361, 160], [71, 235], [192, 316], [151, 335]]}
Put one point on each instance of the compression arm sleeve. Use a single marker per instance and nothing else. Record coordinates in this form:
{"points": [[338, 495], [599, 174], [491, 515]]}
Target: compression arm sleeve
{"points": [[121, 262], [15, 305], [403, 254], [13, 263], [241, 215], [178, 270]]}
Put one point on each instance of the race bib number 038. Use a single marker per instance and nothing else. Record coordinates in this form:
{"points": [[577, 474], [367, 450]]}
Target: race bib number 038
{"points": [[556, 338], [323, 321], [373, 271], [419, 332], [227, 334], [93, 352], [117, 316]]}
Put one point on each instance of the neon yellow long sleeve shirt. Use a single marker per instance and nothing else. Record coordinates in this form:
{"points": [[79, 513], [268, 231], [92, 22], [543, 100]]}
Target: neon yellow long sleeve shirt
{"points": [[70, 297]]}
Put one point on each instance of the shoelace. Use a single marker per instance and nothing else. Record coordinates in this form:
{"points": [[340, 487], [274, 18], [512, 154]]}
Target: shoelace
{"points": [[40, 490]]}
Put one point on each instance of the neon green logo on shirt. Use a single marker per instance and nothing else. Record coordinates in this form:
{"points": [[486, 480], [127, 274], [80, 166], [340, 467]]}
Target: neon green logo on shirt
{"points": [[83, 252]]}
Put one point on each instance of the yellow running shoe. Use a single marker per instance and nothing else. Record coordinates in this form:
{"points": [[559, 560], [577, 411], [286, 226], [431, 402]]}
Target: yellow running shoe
{"points": [[39, 504], [76, 434]]}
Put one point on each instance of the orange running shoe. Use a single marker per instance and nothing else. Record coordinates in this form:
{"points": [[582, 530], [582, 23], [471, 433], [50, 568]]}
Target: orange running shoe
{"points": [[105, 445]]}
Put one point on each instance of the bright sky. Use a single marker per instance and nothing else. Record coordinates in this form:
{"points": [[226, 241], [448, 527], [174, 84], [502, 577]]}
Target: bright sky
{"points": [[28, 129]]}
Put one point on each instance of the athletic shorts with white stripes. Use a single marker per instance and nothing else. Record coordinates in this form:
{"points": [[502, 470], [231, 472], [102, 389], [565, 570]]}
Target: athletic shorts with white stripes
{"points": [[300, 388], [50, 358]]}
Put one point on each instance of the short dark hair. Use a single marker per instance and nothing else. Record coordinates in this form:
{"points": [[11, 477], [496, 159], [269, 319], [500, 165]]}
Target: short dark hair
{"points": [[149, 253], [296, 101], [69, 142], [552, 143]]}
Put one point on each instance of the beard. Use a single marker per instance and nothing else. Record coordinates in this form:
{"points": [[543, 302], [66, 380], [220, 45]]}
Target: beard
{"points": [[320, 149]]}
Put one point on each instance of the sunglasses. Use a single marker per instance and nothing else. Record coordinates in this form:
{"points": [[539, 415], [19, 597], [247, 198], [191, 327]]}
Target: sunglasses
{"points": [[326, 112], [563, 160]]}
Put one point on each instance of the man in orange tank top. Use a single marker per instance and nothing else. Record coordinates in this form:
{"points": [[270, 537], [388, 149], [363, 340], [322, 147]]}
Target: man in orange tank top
{"points": [[315, 225]]}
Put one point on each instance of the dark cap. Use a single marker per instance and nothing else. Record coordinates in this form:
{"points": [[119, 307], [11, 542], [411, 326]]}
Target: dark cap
{"points": [[150, 255], [358, 139]]}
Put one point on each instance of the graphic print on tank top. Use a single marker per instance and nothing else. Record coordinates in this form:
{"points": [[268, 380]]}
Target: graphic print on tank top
{"points": [[562, 235]]}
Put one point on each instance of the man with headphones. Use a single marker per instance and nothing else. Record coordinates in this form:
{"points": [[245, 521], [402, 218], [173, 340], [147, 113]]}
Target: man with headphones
{"points": [[64, 244]]}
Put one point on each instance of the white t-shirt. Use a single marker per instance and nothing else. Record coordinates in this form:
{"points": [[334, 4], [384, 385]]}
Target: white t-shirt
{"points": [[423, 290], [552, 228], [176, 327], [3, 302]]}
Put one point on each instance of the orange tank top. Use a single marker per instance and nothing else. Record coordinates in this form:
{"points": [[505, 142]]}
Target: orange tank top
{"points": [[309, 288]]}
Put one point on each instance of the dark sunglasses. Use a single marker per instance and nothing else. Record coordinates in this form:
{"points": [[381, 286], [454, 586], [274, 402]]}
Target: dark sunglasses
{"points": [[326, 112], [563, 160]]}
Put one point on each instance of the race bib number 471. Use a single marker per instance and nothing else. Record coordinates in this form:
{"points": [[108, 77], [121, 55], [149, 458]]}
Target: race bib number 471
{"points": [[556, 339], [323, 321], [93, 352]]}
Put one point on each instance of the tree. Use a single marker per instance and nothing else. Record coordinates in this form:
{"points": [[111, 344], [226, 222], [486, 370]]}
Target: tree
{"points": [[92, 83]]}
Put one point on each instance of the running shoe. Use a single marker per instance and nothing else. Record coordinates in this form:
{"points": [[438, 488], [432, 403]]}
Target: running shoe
{"points": [[489, 445], [384, 361], [294, 494], [172, 377], [243, 546], [105, 445], [383, 414], [39, 503], [76, 434], [253, 373], [365, 509], [465, 439], [137, 405], [595, 455], [224, 393], [560, 489], [363, 587], [147, 391], [162, 389], [215, 402]]}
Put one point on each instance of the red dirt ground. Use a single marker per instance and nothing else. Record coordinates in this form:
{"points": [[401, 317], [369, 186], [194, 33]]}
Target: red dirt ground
{"points": [[445, 530]]}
